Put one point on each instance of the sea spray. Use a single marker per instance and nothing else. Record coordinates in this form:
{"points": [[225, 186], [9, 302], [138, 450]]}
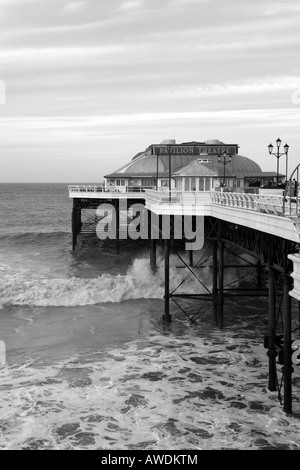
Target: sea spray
{"points": [[71, 291], [140, 281]]}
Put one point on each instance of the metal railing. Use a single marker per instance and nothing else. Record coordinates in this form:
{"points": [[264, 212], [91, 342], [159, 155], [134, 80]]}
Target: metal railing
{"points": [[287, 205], [284, 206], [162, 196], [291, 194], [77, 188], [264, 203], [184, 198]]}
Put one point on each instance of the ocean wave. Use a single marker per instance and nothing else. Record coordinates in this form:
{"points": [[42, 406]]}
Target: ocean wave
{"points": [[139, 282], [32, 237]]}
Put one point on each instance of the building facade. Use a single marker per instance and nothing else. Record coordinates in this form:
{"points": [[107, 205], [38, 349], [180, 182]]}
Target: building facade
{"points": [[189, 166]]}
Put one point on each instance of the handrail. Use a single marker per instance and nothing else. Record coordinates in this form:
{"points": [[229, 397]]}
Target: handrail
{"points": [[85, 188], [163, 196], [107, 189], [292, 186], [266, 203], [285, 205]]}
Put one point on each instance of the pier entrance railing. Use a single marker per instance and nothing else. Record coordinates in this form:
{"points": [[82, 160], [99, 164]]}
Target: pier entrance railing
{"points": [[94, 188], [164, 196], [291, 193], [285, 205], [266, 203]]}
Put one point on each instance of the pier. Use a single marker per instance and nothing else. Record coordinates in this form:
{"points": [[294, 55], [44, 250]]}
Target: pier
{"points": [[264, 225]]}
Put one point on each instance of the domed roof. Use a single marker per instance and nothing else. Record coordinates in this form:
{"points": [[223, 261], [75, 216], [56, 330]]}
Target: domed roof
{"points": [[239, 165], [146, 164], [196, 168], [244, 165]]}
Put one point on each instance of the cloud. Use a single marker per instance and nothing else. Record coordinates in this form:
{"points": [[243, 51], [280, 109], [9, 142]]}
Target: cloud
{"points": [[2, 92], [74, 6], [279, 8], [68, 122], [186, 2], [61, 52], [245, 87], [130, 5], [147, 66], [15, 2]]}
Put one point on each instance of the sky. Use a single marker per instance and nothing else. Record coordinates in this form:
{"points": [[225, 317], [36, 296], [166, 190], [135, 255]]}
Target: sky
{"points": [[87, 84]]}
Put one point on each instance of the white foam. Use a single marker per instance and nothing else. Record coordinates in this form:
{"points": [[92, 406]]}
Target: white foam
{"points": [[139, 282], [24, 288]]}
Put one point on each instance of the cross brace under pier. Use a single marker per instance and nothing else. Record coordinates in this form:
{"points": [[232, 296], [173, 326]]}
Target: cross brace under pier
{"points": [[277, 265]]}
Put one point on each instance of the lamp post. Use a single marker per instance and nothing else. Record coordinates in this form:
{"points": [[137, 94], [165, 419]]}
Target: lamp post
{"points": [[224, 158], [278, 155]]}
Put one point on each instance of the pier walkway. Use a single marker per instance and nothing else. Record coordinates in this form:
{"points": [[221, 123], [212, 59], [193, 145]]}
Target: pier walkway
{"points": [[274, 214]]}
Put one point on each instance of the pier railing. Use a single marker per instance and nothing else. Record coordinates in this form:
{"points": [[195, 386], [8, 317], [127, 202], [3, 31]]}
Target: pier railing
{"points": [[268, 204], [292, 188], [281, 205], [76, 188], [164, 196], [84, 188]]}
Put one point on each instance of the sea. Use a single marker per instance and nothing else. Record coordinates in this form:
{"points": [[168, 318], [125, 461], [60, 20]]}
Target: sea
{"points": [[87, 362]]}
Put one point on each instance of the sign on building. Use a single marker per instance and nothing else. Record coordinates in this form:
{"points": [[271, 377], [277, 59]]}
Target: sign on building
{"points": [[171, 149]]}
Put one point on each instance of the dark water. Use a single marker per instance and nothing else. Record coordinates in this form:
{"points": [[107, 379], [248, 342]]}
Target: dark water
{"points": [[89, 363]]}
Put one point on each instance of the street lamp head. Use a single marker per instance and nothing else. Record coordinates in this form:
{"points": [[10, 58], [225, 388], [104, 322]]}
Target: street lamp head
{"points": [[224, 156], [270, 147], [278, 142], [286, 148]]}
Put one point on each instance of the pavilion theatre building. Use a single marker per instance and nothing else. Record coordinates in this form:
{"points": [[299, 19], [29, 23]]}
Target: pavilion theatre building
{"points": [[190, 166]]}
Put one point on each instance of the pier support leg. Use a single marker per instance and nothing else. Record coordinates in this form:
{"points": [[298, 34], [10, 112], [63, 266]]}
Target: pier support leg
{"points": [[287, 344], [153, 255], [76, 225], [215, 281], [258, 274], [160, 238], [172, 230], [74, 241], [167, 316], [272, 385], [221, 278]]}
